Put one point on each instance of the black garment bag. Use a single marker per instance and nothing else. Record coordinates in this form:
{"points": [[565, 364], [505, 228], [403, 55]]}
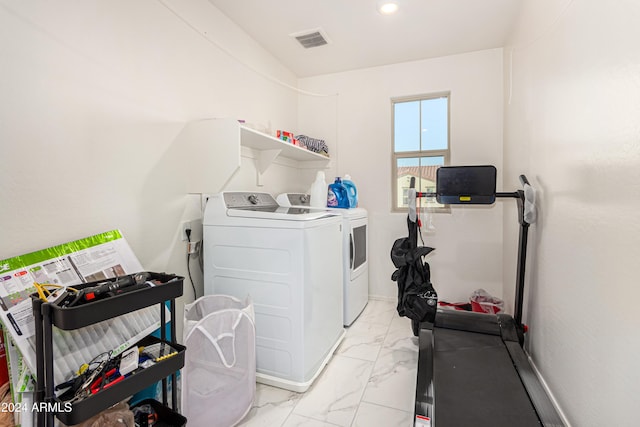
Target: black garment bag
{"points": [[417, 299]]}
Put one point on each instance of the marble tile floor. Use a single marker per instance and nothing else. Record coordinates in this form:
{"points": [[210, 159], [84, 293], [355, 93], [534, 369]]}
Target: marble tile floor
{"points": [[370, 381]]}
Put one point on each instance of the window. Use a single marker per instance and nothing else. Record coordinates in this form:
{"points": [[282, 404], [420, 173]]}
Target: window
{"points": [[420, 146]]}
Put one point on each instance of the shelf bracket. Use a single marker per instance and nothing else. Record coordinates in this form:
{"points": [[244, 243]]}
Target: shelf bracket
{"points": [[264, 160]]}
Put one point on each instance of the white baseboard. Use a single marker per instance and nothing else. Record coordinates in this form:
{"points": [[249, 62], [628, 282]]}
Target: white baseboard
{"points": [[382, 298], [548, 391]]}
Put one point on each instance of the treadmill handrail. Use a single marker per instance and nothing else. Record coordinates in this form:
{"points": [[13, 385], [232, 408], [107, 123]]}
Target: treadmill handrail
{"points": [[522, 246]]}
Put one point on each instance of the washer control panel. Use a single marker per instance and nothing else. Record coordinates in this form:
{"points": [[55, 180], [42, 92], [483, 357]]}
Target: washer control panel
{"points": [[247, 200]]}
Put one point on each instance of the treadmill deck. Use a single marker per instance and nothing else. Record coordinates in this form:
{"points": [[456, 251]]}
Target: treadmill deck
{"points": [[477, 382], [472, 371]]}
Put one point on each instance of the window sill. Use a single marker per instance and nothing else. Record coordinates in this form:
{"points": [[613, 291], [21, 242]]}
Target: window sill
{"points": [[405, 211]]}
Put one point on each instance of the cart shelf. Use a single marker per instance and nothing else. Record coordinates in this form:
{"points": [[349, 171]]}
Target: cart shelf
{"points": [[52, 314]]}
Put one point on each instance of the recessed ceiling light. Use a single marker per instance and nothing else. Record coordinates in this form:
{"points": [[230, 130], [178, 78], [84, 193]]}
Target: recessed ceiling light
{"points": [[387, 7]]}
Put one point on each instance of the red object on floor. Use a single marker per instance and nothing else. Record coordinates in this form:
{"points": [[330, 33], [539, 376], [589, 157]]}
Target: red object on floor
{"points": [[462, 306], [484, 308]]}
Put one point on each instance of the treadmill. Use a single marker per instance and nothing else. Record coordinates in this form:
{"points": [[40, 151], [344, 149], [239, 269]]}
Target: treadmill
{"points": [[472, 369]]}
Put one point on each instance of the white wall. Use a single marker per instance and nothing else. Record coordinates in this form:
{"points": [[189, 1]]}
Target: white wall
{"points": [[357, 125], [572, 125], [93, 94]]}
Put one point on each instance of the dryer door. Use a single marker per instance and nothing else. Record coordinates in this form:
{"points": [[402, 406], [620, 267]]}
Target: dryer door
{"points": [[358, 246]]}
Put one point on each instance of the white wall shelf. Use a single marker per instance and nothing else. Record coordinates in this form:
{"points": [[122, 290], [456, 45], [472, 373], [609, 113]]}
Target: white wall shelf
{"points": [[215, 147], [269, 148], [261, 141]]}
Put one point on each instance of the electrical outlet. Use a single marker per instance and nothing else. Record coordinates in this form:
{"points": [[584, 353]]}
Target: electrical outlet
{"points": [[186, 225], [193, 247]]}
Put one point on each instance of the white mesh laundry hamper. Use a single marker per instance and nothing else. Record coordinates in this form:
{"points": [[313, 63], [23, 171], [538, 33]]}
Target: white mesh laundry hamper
{"points": [[219, 374]]}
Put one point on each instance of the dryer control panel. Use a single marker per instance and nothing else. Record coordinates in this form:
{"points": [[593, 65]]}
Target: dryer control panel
{"points": [[299, 199]]}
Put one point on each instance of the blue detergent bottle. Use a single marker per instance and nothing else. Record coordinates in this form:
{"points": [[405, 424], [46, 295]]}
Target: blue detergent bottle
{"points": [[352, 191], [337, 195]]}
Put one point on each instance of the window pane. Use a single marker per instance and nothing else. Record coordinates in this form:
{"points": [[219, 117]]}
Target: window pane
{"points": [[406, 126], [409, 162], [406, 168], [424, 169], [421, 130], [434, 128], [429, 169]]}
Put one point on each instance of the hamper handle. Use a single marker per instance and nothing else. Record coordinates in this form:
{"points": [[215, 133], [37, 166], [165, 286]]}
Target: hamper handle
{"points": [[214, 341]]}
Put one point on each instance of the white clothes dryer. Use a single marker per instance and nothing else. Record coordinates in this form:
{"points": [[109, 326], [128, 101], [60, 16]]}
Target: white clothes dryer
{"points": [[355, 243], [289, 261]]}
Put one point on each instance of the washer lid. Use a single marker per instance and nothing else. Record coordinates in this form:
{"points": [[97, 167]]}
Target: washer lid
{"points": [[242, 204], [280, 212]]}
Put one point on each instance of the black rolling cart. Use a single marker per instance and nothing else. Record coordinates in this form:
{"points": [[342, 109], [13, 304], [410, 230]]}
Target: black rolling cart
{"points": [[472, 369], [159, 289]]}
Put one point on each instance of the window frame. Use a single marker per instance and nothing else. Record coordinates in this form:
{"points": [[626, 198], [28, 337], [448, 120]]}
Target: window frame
{"points": [[445, 153]]}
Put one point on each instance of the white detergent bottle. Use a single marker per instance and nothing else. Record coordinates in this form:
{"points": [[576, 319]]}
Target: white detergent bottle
{"points": [[318, 192]]}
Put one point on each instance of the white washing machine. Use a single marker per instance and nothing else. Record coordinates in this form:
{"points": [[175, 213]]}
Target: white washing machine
{"points": [[355, 254], [289, 261]]}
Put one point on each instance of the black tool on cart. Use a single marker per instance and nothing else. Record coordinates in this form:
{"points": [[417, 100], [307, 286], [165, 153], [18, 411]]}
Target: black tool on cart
{"points": [[108, 288], [472, 369]]}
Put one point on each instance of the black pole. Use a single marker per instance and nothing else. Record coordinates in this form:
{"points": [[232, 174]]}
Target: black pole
{"points": [[522, 256], [47, 335], [174, 377], [163, 337], [39, 394], [522, 260]]}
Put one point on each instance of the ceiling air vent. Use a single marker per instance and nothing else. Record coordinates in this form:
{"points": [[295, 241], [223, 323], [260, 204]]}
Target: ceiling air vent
{"points": [[311, 38]]}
